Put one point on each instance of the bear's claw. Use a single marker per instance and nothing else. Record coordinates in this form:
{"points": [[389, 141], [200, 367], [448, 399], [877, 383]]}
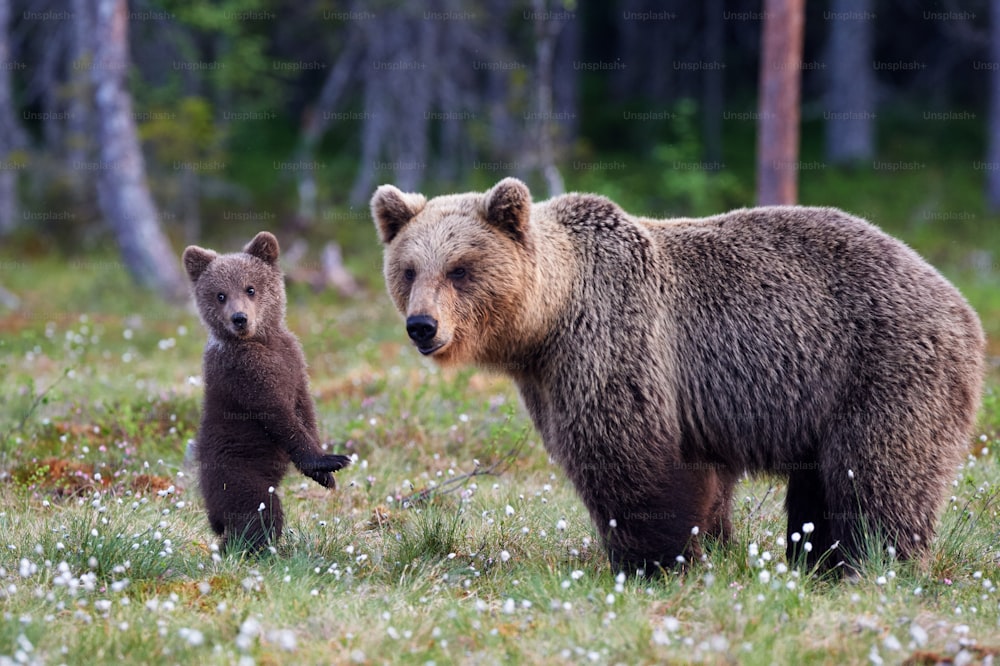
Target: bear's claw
{"points": [[321, 469]]}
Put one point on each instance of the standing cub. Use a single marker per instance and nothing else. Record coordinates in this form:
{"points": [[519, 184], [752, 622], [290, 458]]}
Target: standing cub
{"points": [[258, 415]]}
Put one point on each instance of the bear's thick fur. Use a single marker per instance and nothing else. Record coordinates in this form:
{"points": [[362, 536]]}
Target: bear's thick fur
{"points": [[662, 359], [257, 415]]}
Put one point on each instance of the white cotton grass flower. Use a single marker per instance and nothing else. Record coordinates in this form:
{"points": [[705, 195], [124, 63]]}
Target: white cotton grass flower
{"points": [[285, 638], [808, 528], [249, 630], [193, 637]]}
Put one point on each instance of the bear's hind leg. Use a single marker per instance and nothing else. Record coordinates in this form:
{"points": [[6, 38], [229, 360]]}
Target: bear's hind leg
{"points": [[255, 528], [887, 473], [806, 505], [720, 515]]}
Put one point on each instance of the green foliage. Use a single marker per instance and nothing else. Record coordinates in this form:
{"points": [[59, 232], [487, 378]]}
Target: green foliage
{"points": [[239, 61], [183, 132], [688, 184]]}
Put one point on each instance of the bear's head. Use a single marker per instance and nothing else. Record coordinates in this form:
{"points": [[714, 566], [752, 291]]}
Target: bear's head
{"points": [[460, 269], [241, 295]]}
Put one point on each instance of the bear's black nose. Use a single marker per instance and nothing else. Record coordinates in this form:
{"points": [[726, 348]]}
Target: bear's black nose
{"points": [[239, 320], [421, 328]]}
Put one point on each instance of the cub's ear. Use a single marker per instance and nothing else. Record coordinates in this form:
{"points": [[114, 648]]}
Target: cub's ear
{"points": [[392, 209], [196, 260], [264, 246], [508, 208]]}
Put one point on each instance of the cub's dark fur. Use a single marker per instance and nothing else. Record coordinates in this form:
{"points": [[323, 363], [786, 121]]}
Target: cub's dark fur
{"points": [[258, 415]]}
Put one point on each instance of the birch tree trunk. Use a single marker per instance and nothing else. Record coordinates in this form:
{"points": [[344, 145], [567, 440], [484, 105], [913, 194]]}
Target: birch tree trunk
{"points": [[993, 150], [123, 193], [850, 92], [316, 122], [78, 137], [546, 32], [11, 135]]}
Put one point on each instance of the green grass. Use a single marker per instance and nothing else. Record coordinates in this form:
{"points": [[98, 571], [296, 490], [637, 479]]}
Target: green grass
{"points": [[506, 568], [106, 555]]}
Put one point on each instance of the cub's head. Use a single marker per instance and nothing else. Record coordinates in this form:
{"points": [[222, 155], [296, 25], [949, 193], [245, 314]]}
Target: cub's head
{"points": [[458, 268], [241, 295]]}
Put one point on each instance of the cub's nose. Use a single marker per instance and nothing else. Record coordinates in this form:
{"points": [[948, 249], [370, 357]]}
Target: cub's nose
{"points": [[239, 320], [421, 328]]}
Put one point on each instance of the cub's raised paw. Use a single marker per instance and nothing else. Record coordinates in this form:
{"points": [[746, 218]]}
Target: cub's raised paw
{"points": [[321, 469]]}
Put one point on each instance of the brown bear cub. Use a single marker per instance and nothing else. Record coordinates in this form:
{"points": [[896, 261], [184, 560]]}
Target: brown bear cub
{"points": [[662, 359], [257, 415]]}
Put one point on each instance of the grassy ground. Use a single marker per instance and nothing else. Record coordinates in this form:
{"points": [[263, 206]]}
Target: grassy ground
{"points": [[105, 551]]}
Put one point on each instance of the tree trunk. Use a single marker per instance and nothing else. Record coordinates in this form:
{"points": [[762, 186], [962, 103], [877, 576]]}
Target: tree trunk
{"points": [[566, 80], [315, 123], [123, 194], [778, 124], [546, 31], [993, 154], [11, 135], [78, 130], [395, 140], [850, 92], [713, 92]]}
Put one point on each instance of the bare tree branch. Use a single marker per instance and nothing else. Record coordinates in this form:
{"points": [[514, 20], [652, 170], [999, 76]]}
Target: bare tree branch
{"points": [[497, 468]]}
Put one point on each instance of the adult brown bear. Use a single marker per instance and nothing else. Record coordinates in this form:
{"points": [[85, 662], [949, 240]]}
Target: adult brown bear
{"points": [[661, 359]]}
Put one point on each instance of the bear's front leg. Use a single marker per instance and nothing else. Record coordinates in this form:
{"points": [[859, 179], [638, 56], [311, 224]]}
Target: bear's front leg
{"points": [[660, 528]]}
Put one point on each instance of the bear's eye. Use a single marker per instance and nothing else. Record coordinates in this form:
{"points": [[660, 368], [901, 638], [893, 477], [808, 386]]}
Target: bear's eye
{"points": [[409, 275], [457, 273], [251, 291], [221, 297]]}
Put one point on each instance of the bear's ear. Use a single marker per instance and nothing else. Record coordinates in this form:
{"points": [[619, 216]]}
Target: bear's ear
{"points": [[392, 209], [264, 246], [196, 260], [508, 208]]}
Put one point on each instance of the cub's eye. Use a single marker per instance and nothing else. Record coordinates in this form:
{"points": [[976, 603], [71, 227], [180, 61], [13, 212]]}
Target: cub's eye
{"points": [[457, 273], [409, 275], [221, 297], [251, 291]]}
